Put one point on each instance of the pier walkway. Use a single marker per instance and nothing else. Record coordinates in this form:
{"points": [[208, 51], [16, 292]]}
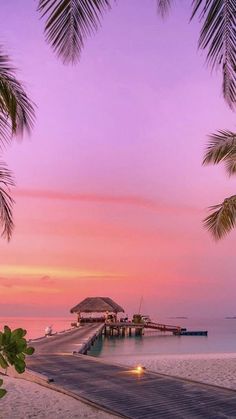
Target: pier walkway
{"points": [[122, 391], [66, 342]]}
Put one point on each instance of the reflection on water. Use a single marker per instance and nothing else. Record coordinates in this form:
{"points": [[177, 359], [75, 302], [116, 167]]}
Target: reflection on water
{"points": [[221, 338]]}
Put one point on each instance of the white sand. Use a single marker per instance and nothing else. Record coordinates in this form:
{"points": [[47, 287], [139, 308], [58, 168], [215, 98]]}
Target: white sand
{"points": [[217, 369], [26, 400]]}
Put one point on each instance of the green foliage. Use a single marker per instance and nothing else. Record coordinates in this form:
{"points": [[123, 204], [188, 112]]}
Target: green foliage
{"points": [[222, 149], [69, 22], [218, 37], [16, 116], [2, 390], [13, 350], [222, 219]]}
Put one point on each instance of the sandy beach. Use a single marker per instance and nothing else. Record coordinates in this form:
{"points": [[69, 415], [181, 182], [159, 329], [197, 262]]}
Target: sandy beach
{"points": [[217, 369], [26, 400]]}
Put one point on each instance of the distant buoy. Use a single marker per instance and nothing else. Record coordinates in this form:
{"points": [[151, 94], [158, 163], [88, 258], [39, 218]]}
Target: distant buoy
{"points": [[48, 331]]}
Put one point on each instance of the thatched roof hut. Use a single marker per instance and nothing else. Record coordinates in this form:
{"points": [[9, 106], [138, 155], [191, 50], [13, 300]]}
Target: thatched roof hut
{"points": [[97, 305]]}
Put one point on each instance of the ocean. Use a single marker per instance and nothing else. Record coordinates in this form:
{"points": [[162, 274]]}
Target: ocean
{"points": [[221, 337], [35, 326]]}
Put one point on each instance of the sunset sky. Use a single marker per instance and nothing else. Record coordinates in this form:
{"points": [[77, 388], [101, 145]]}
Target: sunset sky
{"points": [[110, 191]]}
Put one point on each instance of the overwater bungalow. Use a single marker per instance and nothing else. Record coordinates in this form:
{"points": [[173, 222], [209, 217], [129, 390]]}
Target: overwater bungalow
{"points": [[97, 309]]}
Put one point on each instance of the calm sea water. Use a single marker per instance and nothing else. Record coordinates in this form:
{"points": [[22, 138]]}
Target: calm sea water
{"points": [[221, 338], [35, 326]]}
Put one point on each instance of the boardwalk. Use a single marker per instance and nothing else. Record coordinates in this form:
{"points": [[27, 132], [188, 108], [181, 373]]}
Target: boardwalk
{"points": [[67, 342], [148, 396]]}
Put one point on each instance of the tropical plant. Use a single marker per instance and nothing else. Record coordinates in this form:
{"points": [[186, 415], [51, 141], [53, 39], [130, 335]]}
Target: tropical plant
{"points": [[219, 34], [16, 116], [222, 148], [70, 22], [13, 350]]}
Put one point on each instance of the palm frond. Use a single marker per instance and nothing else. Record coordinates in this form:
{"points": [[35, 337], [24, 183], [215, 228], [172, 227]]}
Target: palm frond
{"points": [[223, 218], [16, 116], [218, 37], [163, 7], [69, 23], [221, 147], [16, 109], [230, 165], [6, 201]]}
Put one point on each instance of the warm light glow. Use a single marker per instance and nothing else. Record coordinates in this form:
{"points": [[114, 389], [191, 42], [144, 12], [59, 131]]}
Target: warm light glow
{"points": [[139, 369], [59, 272], [110, 191]]}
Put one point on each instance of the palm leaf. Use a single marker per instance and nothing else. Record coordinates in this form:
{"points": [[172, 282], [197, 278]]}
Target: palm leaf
{"points": [[223, 218], [16, 109], [16, 116], [163, 7], [230, 165], [221, 147], [218, 37], [6, 202], [69, 23]]}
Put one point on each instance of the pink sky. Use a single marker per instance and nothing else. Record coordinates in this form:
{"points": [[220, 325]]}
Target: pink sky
{"points": [[110, 188]]}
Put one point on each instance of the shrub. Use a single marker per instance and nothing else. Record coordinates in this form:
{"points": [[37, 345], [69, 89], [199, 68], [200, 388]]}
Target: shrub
{"points": [[13, 350]]}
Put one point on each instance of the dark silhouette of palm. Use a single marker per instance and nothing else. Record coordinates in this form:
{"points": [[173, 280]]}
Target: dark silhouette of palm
{"points": [[69, 22], [222, 148], [16, 116], [67, 25]]}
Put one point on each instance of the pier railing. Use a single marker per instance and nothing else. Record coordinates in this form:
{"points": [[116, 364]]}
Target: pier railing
{"points": [[122, 326], [162, 327]]}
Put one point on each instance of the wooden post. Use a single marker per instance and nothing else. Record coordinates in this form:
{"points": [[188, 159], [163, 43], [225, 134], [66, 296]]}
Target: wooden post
{"points": [[138, 331]]}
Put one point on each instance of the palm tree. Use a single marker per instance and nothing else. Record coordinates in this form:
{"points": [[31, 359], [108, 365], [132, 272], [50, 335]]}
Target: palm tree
{"points": [[70, 22], [16, 116], [222, 148]]}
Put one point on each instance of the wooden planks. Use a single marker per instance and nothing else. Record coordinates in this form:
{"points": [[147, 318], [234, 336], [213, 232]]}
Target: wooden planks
{"points": [[147, 396], [67, 342]]}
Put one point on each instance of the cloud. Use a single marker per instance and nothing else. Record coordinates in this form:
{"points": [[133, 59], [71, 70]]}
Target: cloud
{"points": [[45, 278], [133, 200], [57, 272], [6, 283]]}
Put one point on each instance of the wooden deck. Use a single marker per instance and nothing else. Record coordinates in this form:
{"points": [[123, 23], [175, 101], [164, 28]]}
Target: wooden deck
{"points": [[68, 342], [122, 391], [149, 325]]}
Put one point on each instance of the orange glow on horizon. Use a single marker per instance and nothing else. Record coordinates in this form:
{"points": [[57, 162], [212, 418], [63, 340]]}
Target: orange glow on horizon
{"points": [[58, 272]]}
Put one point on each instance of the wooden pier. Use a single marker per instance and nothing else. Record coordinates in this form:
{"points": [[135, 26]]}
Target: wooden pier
{"points": [[123, 329], [124, 391], [137, 329]]}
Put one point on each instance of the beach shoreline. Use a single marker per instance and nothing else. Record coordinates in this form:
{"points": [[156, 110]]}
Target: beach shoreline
{"points": [[218, 369], [27, 399]]}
